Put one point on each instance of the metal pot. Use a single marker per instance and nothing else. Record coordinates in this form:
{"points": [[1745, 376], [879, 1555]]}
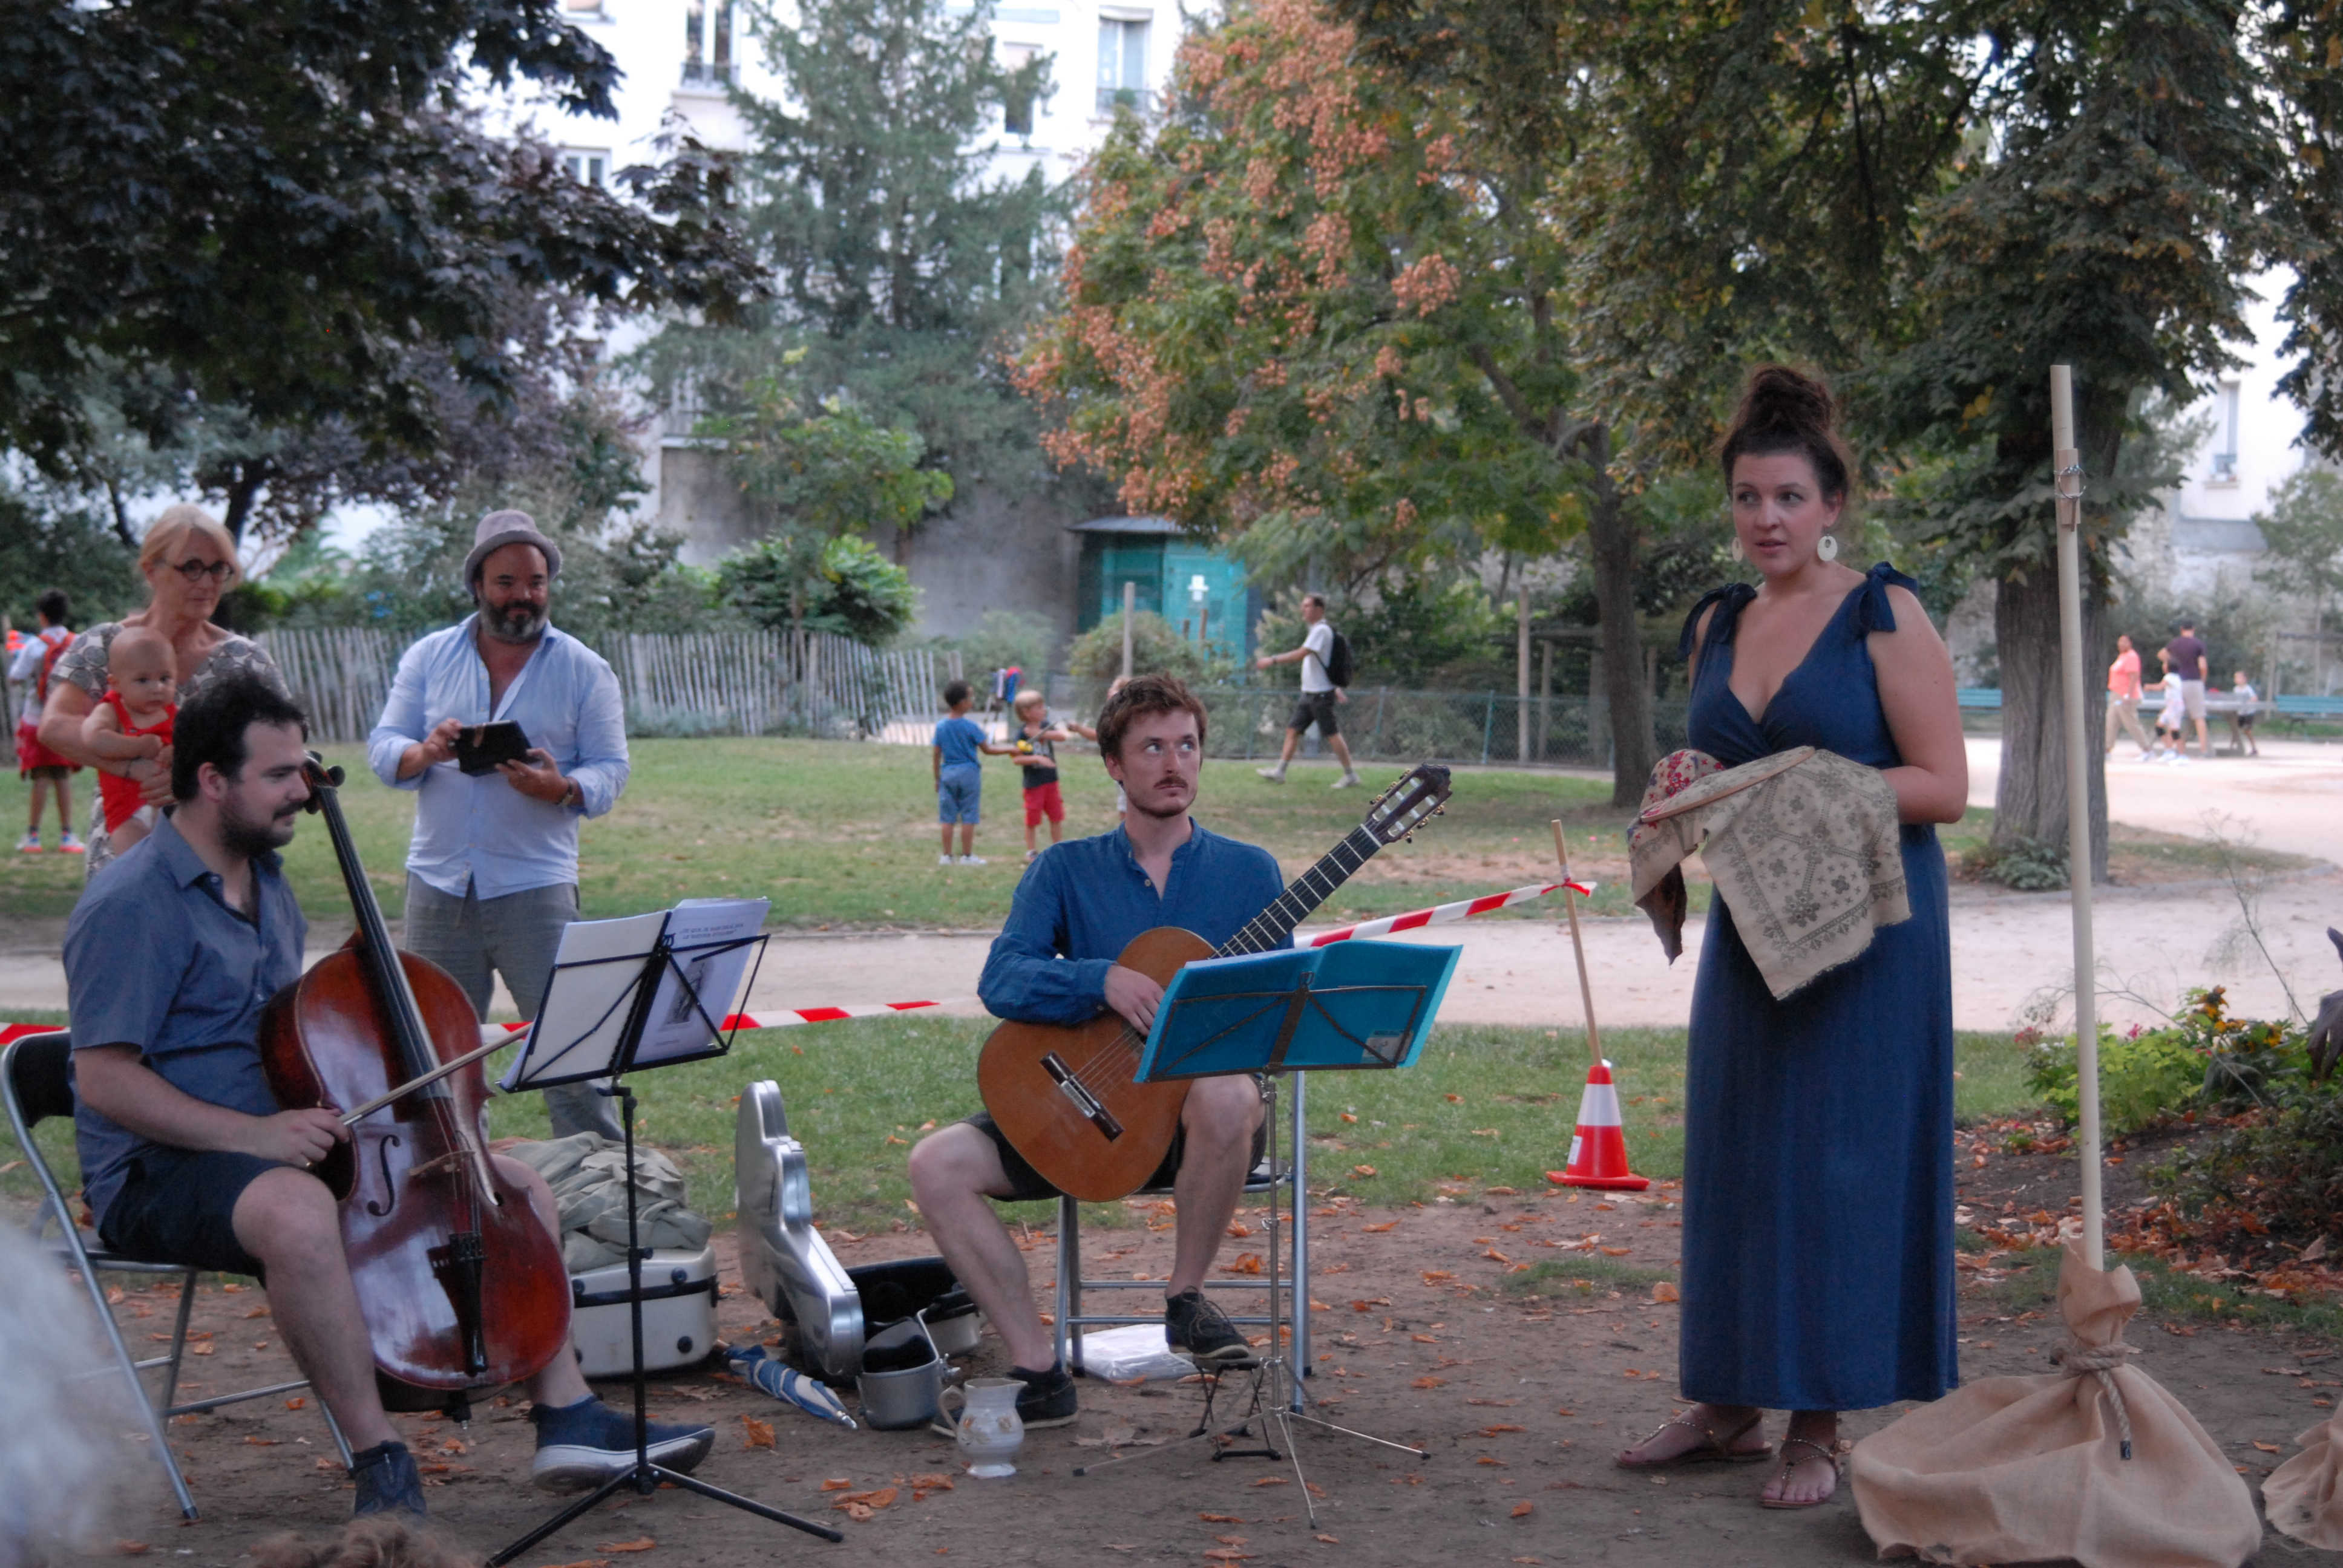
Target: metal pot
{"points": [[902, 1376]]}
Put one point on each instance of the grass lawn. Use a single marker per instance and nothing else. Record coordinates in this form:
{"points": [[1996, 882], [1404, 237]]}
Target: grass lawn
{"points": [[1485, 1106], [841, 835]]}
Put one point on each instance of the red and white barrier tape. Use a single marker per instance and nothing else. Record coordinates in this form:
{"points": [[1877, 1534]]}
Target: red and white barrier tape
{"points": [[787, 1018], [782, 1020], [1441, 914]]}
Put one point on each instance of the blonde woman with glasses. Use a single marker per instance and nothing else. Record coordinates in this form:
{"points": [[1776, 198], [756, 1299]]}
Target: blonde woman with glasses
{"points": [[188, 562]]}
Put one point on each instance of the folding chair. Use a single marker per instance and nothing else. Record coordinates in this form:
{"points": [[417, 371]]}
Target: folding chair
{"points": [[1287, 1265], [35, 1084]]}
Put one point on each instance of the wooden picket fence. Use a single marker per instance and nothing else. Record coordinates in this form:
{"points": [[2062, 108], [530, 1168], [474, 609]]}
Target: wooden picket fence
{"points": [[685, 683]]}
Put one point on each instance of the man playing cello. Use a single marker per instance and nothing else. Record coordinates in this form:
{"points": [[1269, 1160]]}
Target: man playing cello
{"points": [[1079, 904], [185, 1157]]}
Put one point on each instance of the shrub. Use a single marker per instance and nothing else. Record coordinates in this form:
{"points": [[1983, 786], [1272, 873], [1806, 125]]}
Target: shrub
{"points": [[2204, 1060], [2028, 865]]}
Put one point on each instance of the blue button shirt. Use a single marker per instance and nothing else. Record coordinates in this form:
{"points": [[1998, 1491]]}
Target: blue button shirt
{"points": [[1082, 901], [479, 830], [155, 958]]}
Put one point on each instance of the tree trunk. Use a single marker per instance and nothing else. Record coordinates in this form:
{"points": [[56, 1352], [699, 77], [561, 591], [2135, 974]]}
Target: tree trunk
{"points": [[2031, 804], [1611, 543], [2030, 801]]}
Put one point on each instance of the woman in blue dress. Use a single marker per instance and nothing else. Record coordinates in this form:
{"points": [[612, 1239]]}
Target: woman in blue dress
{"points": [[1819, 1161]]}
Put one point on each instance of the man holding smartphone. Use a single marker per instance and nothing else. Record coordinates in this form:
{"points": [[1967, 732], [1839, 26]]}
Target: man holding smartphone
{"points": [[492, 870]]}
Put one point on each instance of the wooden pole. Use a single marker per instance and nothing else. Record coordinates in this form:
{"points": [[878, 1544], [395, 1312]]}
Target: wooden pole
{"points": [[1522, 668], [1577, 946], [1130, 612], [2067, 465]]}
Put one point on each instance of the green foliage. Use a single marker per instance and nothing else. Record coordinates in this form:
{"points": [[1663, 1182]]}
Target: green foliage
{"points": [[2144, 1080], [1156, 648], [284, 210], [901, 268], [835, 472], [2203, 1063], [45, 546], [2028, 865], [2304, 532], [1004, 637], [847, 587]]}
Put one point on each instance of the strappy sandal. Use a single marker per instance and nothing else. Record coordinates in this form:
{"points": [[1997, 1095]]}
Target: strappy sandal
{"points": [[1713, 1448], [1838, 1472]]}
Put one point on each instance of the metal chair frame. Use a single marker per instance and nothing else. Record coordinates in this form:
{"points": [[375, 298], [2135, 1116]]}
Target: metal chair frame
{"points": [[89, 1261], [1288, 1249]]}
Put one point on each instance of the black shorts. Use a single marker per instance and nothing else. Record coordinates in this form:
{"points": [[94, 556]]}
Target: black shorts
{"points": [[179, 1206], [1319, 707], [1026, 1185]]}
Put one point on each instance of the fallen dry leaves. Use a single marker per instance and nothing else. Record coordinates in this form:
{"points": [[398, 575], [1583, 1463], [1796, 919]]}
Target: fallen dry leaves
{"points": [[639, 1543], [861, 1506], [754, 1434], [1520, 1510], [1220, 1518], [838, 1483], [1428, 1383], [1379, 1229], [1665, 1292]]}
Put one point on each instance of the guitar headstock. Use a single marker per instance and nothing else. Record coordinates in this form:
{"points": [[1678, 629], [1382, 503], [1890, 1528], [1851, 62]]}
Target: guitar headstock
{"points": [[1407, 805]]}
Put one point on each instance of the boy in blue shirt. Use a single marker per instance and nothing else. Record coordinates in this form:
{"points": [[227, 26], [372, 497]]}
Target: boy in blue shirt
{"points": [[959, 775]]}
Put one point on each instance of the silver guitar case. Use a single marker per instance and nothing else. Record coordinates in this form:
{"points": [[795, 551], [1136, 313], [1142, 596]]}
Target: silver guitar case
{"points": [[783, 1259]]}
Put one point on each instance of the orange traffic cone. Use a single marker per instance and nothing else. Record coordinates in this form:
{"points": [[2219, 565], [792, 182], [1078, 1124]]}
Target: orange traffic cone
{"points": [[1598, 1151]]}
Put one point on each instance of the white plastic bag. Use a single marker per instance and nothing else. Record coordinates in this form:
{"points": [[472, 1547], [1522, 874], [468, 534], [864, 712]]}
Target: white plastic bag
{"points": [[1134, 1350]]}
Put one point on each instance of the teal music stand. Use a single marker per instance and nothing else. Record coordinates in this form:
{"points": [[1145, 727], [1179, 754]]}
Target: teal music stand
{"points": [[1345, 1007]]}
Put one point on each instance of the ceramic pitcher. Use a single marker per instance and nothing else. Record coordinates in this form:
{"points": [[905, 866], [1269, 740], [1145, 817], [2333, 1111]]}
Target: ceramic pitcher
{"points": [[988, 1429]]}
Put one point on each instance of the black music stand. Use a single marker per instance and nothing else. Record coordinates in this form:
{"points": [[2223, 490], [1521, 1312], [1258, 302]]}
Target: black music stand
{"points": [[1348, 1006], [609, 1045]]}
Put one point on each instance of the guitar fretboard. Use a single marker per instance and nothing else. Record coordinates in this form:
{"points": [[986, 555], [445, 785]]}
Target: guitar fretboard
{"points": [[1270, 928]]}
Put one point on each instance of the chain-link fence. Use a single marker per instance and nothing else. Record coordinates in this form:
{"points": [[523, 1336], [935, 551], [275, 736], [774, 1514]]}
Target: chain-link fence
{"points": [[1381, 725]]}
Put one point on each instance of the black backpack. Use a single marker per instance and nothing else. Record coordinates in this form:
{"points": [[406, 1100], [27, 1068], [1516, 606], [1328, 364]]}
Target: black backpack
{"points": [[1338, 661]]}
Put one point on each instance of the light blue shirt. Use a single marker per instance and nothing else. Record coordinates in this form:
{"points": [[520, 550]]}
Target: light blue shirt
{"points": [[480, 829]]}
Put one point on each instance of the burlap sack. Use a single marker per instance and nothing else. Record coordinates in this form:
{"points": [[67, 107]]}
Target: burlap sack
{"points": [[2031, 1469], [588, 1173], [2302, 1496]]}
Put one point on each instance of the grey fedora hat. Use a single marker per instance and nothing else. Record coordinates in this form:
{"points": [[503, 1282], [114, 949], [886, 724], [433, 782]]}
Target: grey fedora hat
{"points": [[498, 529]]}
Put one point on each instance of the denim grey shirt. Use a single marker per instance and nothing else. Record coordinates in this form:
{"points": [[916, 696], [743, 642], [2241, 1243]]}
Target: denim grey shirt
{"points": [[154, 958]]}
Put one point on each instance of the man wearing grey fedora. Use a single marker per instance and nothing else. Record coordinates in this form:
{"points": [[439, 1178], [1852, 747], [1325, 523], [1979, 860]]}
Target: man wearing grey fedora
{"points": [[492, 870]]}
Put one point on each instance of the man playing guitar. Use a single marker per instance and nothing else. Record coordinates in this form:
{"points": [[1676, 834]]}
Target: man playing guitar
{"points": [[1079, 904], [187, 1157]]}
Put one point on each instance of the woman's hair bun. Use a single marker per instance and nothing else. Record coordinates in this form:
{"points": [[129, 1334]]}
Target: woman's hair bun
{"points": [[1779, 399], [1787, 410]]}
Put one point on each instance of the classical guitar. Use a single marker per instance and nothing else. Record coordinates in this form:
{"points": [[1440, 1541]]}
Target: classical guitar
{"points": [[1064, 1096]]}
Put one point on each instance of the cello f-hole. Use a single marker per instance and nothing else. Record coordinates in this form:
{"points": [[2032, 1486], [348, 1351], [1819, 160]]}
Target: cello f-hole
{"points": [[382, 1155]]}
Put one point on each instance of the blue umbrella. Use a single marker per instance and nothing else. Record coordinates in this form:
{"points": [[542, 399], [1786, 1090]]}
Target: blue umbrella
{"points": [[787, 1383]]}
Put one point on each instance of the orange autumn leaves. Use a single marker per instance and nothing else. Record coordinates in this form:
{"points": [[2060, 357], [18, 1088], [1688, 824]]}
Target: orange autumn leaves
{"points": [[1211, 354]]}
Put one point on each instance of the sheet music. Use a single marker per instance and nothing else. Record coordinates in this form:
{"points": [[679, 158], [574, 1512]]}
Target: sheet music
{"points": [[676, 1027], [585, 1013]]}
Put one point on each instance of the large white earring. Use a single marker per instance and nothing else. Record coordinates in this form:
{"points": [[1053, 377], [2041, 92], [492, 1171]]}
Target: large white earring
{"points": [[1739, 553], [1827, 546]]}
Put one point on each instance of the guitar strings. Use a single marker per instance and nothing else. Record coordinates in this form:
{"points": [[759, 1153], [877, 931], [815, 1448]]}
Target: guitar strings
{"points": [[1118, 1060]]}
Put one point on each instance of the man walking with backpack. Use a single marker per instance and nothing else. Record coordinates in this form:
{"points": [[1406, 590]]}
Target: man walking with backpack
{"points": [[1325, 660]]}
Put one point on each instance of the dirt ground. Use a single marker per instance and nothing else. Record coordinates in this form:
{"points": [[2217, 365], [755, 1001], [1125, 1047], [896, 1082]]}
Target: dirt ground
{"points": [[1519, 1397]]}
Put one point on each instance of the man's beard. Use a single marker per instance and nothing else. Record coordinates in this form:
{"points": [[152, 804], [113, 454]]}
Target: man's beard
{"points": [[516, 622], [252, 837], [1161, 814]]}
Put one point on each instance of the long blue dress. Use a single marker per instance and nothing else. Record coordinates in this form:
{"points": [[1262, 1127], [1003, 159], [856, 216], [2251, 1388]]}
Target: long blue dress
{"points": [[1818, 1158]]}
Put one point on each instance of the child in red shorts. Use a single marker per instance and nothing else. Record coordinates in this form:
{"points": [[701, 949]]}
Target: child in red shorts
{"points": [[1035, 751], [132, 723]]}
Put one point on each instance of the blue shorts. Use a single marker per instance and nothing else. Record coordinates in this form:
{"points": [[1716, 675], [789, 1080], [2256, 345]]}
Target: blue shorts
{"points": [[957, 790], [179, 1206]]}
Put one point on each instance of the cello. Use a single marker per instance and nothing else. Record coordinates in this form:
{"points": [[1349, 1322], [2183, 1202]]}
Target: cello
{"points": [[461, 1283]]}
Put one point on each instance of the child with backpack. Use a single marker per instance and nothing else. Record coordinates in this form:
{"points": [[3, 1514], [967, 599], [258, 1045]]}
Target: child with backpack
{"points": [[47, 771]]}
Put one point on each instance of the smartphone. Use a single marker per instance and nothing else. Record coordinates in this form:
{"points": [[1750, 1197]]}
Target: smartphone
{"points": [[480, 748]]}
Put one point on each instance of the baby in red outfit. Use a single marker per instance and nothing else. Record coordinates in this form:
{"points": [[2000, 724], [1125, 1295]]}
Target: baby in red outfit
{"points": [[132, 724]]}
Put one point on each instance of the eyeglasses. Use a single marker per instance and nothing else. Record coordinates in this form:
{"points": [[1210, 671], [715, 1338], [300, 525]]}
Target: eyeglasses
{"points": [[195, 571]]}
